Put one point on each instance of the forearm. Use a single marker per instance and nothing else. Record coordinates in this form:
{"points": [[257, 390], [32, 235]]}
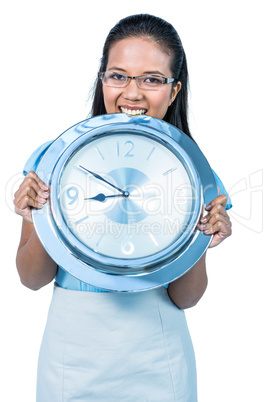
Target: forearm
{"points": [[186, 291], [35, 267]]}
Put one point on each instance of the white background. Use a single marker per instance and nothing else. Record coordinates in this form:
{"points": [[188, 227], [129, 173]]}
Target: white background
{"points": [[50, 53]]}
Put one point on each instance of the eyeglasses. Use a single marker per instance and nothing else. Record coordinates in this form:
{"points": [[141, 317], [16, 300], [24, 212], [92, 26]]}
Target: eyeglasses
{"points": [[117, 80]]}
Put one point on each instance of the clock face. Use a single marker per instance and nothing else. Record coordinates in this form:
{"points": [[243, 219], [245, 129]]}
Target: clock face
{"points": [[126, 195]]}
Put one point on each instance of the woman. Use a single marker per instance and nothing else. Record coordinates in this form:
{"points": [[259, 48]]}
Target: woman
{"points": [[104, 346]]}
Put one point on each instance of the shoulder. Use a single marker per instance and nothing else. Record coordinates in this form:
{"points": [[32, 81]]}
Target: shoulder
{"points": [[222, 190], [35, 158]]}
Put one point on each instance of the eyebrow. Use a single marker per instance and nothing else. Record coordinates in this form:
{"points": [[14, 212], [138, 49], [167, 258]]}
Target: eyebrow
{"points": [[153, 72], [156, 72]]}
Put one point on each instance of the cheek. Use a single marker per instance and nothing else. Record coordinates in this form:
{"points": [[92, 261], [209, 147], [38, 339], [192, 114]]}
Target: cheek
{"points": [[110, 95], [160, 104], [106, 97]]}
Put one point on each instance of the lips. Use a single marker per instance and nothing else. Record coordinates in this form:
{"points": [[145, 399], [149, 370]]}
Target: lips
{"points": [[132, 111]]}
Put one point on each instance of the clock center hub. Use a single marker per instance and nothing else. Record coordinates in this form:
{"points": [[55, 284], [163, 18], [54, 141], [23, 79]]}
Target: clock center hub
{"points": [[129, 207]]}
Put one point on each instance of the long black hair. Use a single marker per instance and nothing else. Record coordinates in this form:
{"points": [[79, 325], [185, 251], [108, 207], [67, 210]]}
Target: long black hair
{"points": [[163, 33]]}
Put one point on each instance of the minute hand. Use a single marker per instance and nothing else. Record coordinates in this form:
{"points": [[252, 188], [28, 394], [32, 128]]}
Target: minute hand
{"points": [[102, 179]]}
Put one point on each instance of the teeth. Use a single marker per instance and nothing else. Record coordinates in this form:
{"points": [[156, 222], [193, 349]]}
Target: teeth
{"points": [[133, 112]]}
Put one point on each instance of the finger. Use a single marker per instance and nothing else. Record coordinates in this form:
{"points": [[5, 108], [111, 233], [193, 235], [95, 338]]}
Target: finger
{"points": [[40, 182], [27, 196], [30, 187], [220, 225], [220, 215], [26, 204], [33, 181], [216, 210], [213, 219], [221, 199], [27, 201], [27, 193]]}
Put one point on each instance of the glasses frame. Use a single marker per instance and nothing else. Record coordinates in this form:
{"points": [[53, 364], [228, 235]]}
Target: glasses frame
{"points": [[129, 78]]}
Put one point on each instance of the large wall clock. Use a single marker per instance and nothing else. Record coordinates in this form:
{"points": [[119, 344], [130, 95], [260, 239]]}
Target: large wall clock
{"points": [[126, 196]]}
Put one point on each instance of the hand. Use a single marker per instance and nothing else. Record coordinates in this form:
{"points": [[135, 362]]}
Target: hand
{"points": [[217, 221], [102, 197], [32, 193]]}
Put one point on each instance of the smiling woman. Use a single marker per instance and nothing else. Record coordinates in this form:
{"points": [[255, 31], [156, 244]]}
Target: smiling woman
{"points": [[155, 41], [90, 332]]}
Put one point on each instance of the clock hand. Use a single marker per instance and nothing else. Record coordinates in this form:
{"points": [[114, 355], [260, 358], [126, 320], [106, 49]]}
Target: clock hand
{"points": [[101, 197], [105, 181]]}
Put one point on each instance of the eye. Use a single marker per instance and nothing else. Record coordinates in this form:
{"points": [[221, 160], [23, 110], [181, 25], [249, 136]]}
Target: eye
{"points": [[117, 77], [153, 81]]}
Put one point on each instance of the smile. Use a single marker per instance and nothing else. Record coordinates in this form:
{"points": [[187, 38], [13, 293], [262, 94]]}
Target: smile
{"points": [[133, 112]]}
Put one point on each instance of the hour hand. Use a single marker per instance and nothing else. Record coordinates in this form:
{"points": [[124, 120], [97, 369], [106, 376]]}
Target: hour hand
{"points": [[101, 197], [97, 176]]}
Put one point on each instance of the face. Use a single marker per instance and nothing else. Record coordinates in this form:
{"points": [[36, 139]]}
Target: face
{"points": [[133, 57]]}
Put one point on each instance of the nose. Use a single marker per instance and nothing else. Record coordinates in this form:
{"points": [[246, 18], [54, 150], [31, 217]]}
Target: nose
{"points": [[132, 91]]}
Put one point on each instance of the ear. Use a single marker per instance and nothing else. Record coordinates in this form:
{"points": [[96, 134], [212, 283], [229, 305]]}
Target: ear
{"points": [[174, 93]]}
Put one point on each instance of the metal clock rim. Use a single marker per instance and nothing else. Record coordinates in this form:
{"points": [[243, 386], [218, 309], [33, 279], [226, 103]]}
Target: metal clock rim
{"points": [[169, 271]]}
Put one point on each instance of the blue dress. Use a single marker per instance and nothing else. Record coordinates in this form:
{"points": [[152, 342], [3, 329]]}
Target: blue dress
{"points": [[114, 347]]}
